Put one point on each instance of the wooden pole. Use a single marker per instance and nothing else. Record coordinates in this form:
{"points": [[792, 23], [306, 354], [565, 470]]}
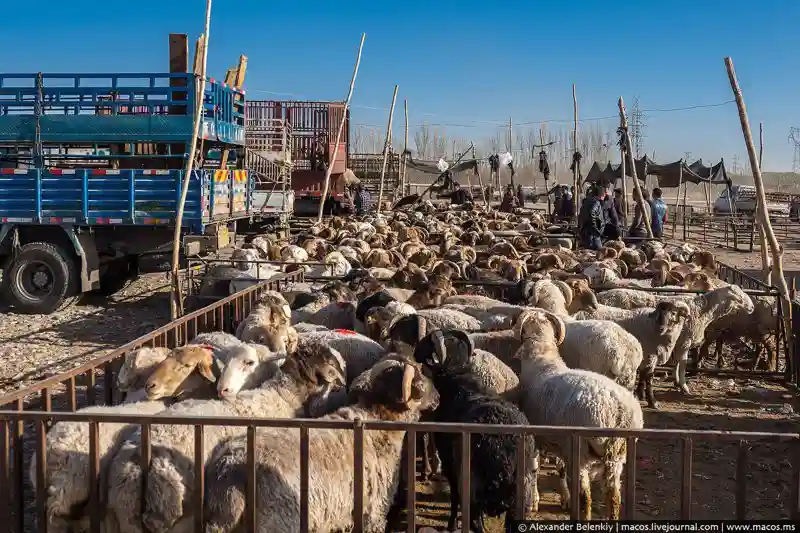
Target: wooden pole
{"points": [[775, 249], [406, 191], [386, 148], [766, 263], [623, 118], [575, 170], [328, 172], [677, 199], [511, 151], [176, 302]]}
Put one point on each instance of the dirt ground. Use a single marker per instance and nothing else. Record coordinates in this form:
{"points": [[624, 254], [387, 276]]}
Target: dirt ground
{"points": [[35, 347]]}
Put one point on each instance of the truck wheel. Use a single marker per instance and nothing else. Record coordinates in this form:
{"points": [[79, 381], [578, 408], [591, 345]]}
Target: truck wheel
{"points": [[41, 279]]}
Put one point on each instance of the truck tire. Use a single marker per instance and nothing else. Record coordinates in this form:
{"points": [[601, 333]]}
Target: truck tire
{"points": [[41, 279]]}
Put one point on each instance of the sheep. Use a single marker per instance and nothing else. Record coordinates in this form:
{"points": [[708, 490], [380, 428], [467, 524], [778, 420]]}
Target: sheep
{"points": [[463, 399], [247, 366], [168, 495], [595, 345], [552, 394], [189, 370], [398, 393], [657, 330], [137, 365], [67, 463], [268, 324], [704, 310], [635, 299], [358, 351], [335, 315]]}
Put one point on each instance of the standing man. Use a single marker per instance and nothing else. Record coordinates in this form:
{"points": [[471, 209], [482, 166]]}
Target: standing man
{"points": [[520, 195], [658, 214], [590, 220], [363, 200], [638, 228], [611, 230]]}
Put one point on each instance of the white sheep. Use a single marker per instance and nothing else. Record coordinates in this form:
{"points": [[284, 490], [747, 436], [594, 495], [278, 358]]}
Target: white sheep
{"points": [[137, 365], [705, 309], [657, 330], [168, 496], [398, 394], [635, 299], [358, 351], [247, 366], [67, 464], [552, 394]]}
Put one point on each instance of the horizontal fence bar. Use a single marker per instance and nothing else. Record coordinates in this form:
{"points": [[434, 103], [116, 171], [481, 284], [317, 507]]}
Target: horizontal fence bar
{"points": [[432, 427]]}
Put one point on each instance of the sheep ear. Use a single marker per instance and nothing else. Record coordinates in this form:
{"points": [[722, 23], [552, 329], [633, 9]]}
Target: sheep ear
{"points": [[565, 289], [206, 366], [559, 329]]}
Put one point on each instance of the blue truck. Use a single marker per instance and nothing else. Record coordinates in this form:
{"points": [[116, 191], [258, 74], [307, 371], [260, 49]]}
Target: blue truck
{"points": [[91, 175]]}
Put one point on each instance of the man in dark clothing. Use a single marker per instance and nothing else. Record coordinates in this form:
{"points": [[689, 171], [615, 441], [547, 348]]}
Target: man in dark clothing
{"points": [[638, 227], [611, 215], [509, 200], [520, 195], [363, 200], [590, 220], [460, 195]]}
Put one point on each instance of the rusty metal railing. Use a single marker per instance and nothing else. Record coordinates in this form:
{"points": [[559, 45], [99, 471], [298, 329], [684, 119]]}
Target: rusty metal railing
{"points": [[576, 436]]}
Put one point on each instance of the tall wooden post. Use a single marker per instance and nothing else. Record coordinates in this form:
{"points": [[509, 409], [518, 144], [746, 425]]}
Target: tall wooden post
{"points": [[406, 189], [339, 132], [775, 249], [176, 302], [766, 263], [576, 170], [623, 118], [677, 199], [386, 146]]}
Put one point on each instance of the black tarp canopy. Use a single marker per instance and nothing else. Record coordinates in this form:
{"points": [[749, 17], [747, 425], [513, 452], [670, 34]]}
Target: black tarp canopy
{"points": [[669, 175]]}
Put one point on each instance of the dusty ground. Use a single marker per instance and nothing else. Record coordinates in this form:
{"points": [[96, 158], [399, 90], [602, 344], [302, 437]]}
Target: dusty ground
{"points": [[34, 347]]}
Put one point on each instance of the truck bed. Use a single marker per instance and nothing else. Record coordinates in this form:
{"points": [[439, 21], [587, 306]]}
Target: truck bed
{"points": [[123, 197]]}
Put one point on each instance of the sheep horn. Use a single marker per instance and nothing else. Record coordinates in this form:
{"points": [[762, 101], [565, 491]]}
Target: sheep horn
{"points": [[438, 345], [206, 364], [559, 329], [408, 378]]}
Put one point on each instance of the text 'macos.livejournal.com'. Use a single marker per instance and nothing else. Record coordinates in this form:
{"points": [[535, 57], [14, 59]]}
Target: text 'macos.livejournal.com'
{"points": [[661, 526]]}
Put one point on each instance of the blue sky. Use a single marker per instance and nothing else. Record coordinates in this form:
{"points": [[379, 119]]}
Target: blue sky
{"points": [[469, 65]]}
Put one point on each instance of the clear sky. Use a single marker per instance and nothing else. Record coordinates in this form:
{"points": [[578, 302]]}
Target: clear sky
{"points": [[469, 65]]}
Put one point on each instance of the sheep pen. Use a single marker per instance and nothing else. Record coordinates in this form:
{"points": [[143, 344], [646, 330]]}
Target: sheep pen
{"points": [[720, 401]]}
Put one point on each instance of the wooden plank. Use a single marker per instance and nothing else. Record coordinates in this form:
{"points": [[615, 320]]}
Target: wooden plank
{"points": [[234, 77]]}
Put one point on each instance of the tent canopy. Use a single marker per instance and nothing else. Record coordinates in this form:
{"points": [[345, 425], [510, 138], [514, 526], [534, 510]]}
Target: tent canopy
{"points": [[670, 175]]}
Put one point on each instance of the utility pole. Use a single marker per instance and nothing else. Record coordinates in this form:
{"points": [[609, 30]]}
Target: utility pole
{"points": [[794, 138], [637, 127]]}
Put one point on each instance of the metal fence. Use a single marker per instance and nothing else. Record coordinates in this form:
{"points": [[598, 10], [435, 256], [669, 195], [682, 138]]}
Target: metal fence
{"points": [[730, 232], [26, 415]]}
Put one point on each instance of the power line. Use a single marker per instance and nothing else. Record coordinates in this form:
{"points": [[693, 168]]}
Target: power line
{"points": [[498, 123]]}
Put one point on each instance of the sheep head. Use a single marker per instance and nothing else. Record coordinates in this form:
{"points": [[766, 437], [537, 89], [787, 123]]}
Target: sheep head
{"points": [[399, 387], [168, 377], [607, 253], [447, 269], [138, 365], [670, 316], [247, 367], [704, 260], [402, 333], [583, 297], [539, 326], [698, 281], [316, 366], [445, 349]]}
